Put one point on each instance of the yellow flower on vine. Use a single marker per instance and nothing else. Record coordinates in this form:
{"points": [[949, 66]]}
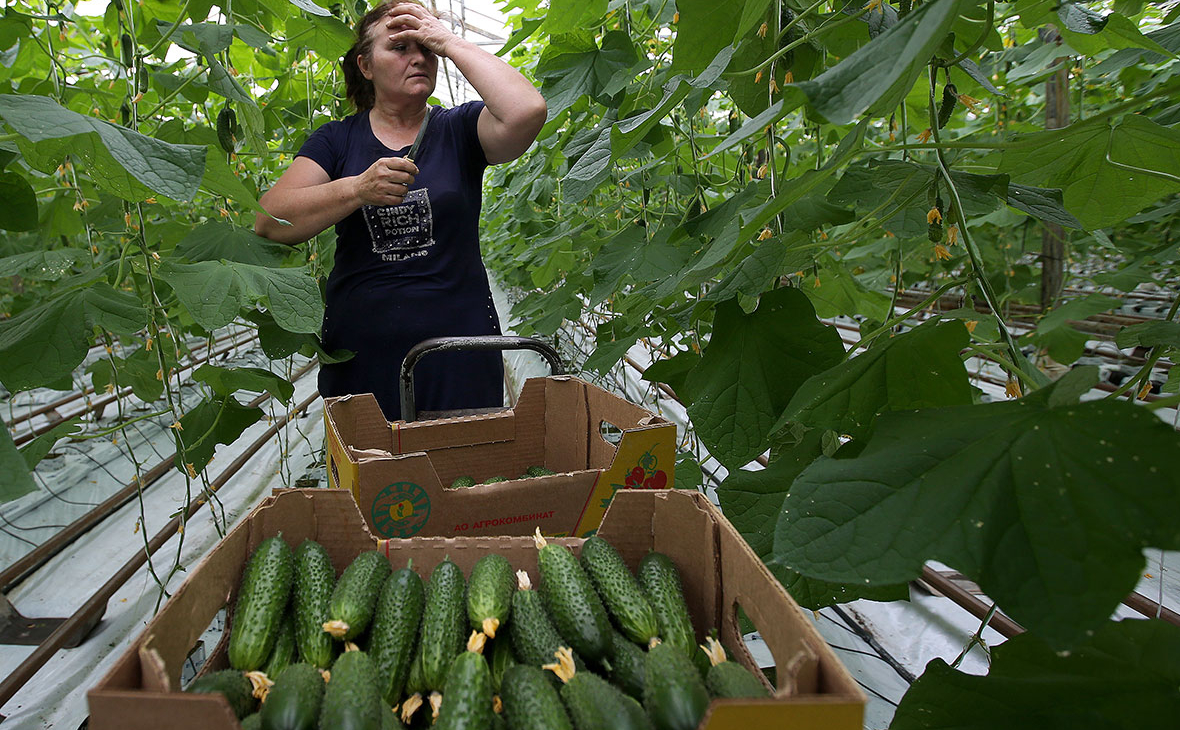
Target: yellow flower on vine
{"points": [[952, 234], [941, 253], [971, 324], [762, 30], [874, 5], [925, 136], [934, 216], [757, 77], [765, 234], [1012, 388], [789, 77], [970, 102]]}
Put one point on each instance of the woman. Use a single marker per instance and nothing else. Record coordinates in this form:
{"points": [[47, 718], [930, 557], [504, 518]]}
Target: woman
{"points": [[407, 264]]}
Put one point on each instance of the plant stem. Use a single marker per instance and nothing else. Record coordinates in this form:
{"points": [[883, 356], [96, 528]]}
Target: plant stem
{"points": [[976, 638], [827, 27], [1153, 356]]}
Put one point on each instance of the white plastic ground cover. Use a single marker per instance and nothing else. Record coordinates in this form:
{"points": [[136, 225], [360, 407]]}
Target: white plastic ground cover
{"points": [[56, 695]]}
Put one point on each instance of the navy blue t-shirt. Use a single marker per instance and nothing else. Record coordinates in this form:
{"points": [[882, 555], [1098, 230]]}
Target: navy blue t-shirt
{"points": [[410, 272]]}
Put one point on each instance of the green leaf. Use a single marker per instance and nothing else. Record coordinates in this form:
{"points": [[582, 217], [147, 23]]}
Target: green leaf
{"points": [[220, 179], [1080, 19], [688, 472], [41, 265], [629, 255], [1099, 191], [918, 369], [753, 500], [215, 292], [1045, 204], [325, 35], [212, 422], [672, 370], [140, 370], [46, 342], [1125, 676], [839, 293], [884, 69], [1064, 343], [567, 15], [750, 370], [762, 267], [34, 451], [995, 491], [612, 340], [705, 27], [567, 77], [310, 7], [278, 343], [15, 479], [124, 163], [1149, 334], [213, 241], [19, 212], [227, 381]]}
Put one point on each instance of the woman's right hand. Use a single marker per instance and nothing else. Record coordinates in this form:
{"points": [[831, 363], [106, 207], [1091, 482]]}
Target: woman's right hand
{"points": [[386, 182]]}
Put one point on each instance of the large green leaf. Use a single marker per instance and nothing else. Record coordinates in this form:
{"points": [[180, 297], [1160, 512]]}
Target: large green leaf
{"points": [[1125, 676], [15, 479], [1045, 502], [220, 179], [567, 15], [1089, 162], [213, 241], [752, 367], [218, 421], [881, 72], [36, 450], [704, 28], [215, 292], [140, 370], [753, 500], [761, 268], [19, 212], [566, 77], [629, 255], [1149, 334], [325, 35], [918, 369], [227, 381], [839, 293], [124, 163], [46, 342], [41, 265]]}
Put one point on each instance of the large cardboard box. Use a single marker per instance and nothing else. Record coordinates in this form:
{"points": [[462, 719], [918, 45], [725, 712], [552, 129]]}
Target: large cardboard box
{"points": [[400, 473], [719, 571]]}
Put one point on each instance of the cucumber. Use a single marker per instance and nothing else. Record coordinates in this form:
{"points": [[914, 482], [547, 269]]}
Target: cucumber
{"points": [[389, 718], [674, 694], [238, 690], [535, 640], [467, 702], [661, 582], [530, 701], [314, 579], [252, 722], [569, 597], [262, 596], [495, 480], [729, 679], [394, 633], [489, 594], [352, 700], [226, 122], [619, 590], [463, 482], [295, 699], [444, 620], [594, 703], [627, 665], [501, 659], [355, 597], [537, 471], [414, 688], [284, 653]]}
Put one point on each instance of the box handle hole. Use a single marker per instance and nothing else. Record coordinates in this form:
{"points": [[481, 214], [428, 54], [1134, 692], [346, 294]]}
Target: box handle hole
{"points": [[610, 433], [752, 652]]}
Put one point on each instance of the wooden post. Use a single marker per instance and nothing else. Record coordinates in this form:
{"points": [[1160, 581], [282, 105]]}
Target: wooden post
{"points": [[1056, 117]]}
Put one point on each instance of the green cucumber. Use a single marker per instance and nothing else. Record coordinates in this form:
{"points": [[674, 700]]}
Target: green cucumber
{"points": [[619, 590], [570, 598], [284, 653], [489, 594], [355, 597], [467, 701], [530, 701], [226, 122], [352, 700], [444, 622], [674, 694], [238, 690], [495, 480], [537, 471], [389, 718], [535, 640], [594, 703], [265, 588], [252, 721], [294, 701], [728, 679], [661, 582], [501, 659], [314, 580], [463, 482], [394, 633], [627, 665]]}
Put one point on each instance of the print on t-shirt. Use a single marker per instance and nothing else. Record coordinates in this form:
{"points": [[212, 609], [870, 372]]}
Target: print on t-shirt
{"points": [[401, 232]]}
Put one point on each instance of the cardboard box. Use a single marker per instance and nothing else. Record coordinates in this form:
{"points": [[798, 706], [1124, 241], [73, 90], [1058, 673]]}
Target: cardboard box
{"points": [[400, 473], [719, 572]]}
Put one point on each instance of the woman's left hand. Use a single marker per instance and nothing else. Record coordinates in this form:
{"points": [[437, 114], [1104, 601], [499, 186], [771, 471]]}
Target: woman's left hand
{"points": [[411, 21]]}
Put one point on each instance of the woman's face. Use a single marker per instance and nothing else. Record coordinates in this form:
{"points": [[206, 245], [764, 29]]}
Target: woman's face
{"points": [[398, 69]]}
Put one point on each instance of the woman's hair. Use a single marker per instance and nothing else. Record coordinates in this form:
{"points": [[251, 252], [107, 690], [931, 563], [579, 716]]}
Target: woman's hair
{"points": [[358, 89]]}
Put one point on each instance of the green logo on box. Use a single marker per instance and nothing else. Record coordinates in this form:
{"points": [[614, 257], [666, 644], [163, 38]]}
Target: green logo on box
{"points": [[400, 510]]}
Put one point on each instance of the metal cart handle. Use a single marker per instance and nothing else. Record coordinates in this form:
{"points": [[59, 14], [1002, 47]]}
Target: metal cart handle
{"points": [[483, 342]]}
